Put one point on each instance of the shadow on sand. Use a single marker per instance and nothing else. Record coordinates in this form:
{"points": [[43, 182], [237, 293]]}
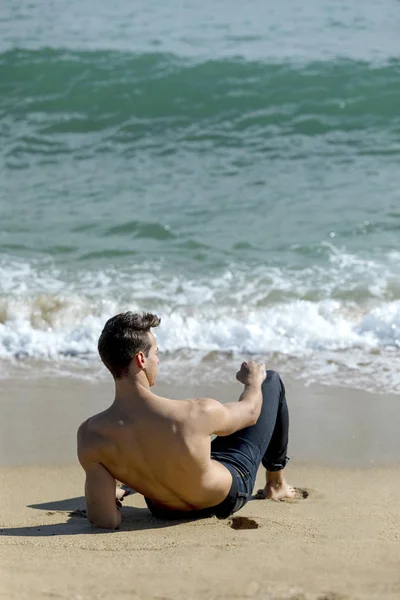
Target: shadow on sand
{"points": [[133, 519]]}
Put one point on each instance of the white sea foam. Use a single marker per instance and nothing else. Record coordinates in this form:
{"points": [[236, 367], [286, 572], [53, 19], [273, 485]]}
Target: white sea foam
{"points": [[312, 315]]}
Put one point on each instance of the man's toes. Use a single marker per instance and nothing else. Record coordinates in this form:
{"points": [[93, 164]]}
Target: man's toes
{"points": [[276, 499]]}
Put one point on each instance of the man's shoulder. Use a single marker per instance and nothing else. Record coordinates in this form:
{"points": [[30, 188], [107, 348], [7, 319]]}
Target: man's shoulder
{"points": [[92, 425], [87, 440], [82, 431], [82, 440], [85, 430], [202, 408]]}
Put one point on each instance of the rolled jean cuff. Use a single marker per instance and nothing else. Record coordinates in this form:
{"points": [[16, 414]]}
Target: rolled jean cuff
{"points": [[275, 466]]}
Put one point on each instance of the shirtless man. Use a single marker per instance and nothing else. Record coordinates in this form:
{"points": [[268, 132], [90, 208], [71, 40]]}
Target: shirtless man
{"points": [[162, 449]]}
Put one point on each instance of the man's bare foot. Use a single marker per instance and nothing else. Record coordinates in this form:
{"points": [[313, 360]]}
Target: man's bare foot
{"points": [[276, 488]]}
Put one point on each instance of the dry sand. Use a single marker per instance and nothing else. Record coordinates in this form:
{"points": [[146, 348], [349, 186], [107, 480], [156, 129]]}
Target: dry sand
{"points": [[343, 541]]}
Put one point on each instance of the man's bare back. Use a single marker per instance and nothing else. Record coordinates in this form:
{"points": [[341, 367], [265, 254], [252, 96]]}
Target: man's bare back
{"points": [[158, 446]]}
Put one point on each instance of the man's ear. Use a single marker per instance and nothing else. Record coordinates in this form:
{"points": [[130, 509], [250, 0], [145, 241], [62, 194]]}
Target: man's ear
{"points": [[140, 360]]}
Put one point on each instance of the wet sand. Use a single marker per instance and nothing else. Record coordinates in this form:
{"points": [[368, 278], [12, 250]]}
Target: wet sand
{"points": [[342, 541], [328, 425]]}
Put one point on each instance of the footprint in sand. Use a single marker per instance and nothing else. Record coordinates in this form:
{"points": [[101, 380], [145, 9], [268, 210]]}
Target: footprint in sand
{"points": [[243, 523], [332, 596], [301, 494]]}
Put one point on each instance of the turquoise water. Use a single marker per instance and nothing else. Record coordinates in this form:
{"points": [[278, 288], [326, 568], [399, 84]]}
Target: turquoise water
{"points": [[234, 170]]}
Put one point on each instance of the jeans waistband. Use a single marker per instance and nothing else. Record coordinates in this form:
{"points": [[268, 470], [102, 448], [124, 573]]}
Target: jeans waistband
{"points": [[232, 465]]}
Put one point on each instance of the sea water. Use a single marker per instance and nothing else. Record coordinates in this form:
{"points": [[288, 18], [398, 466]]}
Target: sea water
{"points": [[233, 167]]}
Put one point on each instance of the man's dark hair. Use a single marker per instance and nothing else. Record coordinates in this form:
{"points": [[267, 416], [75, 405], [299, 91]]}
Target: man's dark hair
{"points": [[123, 337]]}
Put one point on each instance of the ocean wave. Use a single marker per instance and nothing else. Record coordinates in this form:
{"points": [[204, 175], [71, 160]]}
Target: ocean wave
{"points": [[49, 315], [49, 327], [125, 97]]}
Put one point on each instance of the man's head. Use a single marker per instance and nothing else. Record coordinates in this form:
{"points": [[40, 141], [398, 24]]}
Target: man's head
{"points": [[127, 345]]}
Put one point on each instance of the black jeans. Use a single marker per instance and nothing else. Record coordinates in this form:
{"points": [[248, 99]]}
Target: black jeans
{"points": [[242, 452]]}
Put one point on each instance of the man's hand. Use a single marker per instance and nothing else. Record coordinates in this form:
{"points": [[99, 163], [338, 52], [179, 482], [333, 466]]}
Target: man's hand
{"points": [[251, 373], [121, 493]]}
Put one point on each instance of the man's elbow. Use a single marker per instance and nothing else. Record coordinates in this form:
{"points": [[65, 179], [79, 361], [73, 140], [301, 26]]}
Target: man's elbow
{"points": [[253, 417], [107, 524]]}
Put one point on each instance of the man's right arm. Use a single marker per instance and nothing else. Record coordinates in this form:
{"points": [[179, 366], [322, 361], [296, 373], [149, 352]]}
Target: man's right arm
{"points": [[224, 419], [101, 506]]}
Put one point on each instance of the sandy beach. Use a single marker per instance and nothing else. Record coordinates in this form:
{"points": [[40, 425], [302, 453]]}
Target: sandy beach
{"points": [[342, 541]]}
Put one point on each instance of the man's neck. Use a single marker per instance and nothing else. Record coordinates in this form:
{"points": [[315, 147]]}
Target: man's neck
{"points": [[131, 388]]}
